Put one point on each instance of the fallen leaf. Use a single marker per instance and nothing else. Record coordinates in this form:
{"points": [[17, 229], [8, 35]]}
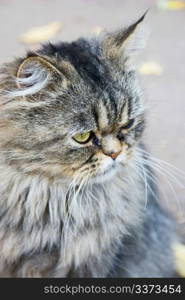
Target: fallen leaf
{"points": [[171, 5], [151, 68], [97, 30], [179, 251], [40, 34]]}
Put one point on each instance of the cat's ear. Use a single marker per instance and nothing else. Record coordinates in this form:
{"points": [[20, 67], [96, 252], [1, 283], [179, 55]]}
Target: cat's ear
{"points": [[123, 45], [36, 73]]}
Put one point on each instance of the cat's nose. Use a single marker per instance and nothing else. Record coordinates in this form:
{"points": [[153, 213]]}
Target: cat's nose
{"points": [[113, 155], [111, 146]]}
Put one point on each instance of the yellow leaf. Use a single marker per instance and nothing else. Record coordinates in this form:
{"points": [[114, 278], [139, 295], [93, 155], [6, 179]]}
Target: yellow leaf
{"points": [[171, 5], [40, 34], [179, 251], [97, 30], [151, 68]]}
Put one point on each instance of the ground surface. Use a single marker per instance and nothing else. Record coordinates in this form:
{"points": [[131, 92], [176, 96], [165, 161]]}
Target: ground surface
{"points": [[165, 94]]}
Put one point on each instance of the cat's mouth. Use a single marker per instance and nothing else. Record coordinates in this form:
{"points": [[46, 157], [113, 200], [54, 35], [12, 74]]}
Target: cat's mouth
{"points": [[108, 169], [105, 174]]}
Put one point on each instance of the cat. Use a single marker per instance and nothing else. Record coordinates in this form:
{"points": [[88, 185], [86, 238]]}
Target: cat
{"points": [[75, 198]]}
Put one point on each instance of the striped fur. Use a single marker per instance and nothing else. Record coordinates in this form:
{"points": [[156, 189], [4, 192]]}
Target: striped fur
{"points": [[70, 209]]}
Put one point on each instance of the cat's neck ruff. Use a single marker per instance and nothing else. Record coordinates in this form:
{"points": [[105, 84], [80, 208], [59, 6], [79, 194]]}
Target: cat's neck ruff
{"points": [[52, 213], [37, 194]]}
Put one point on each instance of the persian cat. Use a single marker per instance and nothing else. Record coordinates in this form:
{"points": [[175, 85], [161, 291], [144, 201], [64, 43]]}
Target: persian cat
{"points": [[75, 196]]}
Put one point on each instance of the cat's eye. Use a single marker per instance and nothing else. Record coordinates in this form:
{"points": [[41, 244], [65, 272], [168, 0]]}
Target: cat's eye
{"points": [[82, 137], [128, 124]]}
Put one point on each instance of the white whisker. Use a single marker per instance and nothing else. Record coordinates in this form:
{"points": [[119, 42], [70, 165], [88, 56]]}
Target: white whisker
{"points": [[162, 170]]}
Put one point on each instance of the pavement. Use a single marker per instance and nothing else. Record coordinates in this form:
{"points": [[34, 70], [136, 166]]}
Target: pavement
{"points": [[164, 94]]}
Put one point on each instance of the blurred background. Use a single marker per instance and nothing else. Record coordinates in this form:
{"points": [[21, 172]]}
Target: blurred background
{"points": [[24, 24]]}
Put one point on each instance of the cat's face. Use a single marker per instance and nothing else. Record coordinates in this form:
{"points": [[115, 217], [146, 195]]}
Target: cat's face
{"points": [[74, 111]]}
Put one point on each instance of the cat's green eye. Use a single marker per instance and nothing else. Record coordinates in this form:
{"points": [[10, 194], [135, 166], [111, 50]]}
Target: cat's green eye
{"points": [[82, 137]]}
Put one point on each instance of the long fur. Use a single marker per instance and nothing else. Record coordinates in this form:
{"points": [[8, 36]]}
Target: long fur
{"points": [[67, 209]]}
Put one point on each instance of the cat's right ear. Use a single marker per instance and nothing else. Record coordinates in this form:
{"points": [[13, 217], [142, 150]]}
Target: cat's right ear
{"points": [[36, 73], [121, 46]]}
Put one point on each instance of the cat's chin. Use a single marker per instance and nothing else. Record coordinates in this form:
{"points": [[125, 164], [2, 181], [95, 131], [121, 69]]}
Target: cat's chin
{"points": [[105, 175]]}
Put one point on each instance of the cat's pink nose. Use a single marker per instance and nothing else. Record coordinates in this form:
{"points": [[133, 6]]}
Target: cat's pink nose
{"points": [[113, 155]]}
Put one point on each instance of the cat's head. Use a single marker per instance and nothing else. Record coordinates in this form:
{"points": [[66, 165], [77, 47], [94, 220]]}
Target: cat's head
{"points": [[72, 110]]}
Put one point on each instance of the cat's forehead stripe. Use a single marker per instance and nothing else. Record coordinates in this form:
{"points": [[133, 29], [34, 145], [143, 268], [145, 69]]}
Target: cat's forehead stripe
{"points": [[108, 114], [103, 120], [124, 113]]}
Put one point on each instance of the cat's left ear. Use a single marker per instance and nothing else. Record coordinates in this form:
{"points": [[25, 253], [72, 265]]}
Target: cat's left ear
{"points": [[36, 72], [123, 45]]}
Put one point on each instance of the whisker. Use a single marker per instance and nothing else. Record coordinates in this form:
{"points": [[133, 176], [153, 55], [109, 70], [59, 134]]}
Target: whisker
{"points": [[156, 181], [139, 171], [151, 157], [166, 170], [167, 175], [162, 170]]}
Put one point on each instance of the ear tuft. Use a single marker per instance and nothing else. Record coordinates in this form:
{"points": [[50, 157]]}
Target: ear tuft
{"points": [[122, 45], [34, 74]]}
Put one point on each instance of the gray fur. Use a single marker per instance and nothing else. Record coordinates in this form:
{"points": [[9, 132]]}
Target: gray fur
{"points": [[70, 209]]}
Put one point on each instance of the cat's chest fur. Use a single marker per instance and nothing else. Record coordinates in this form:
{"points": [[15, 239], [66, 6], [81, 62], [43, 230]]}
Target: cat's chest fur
{"points": [[86, 227], [97, 225]]}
